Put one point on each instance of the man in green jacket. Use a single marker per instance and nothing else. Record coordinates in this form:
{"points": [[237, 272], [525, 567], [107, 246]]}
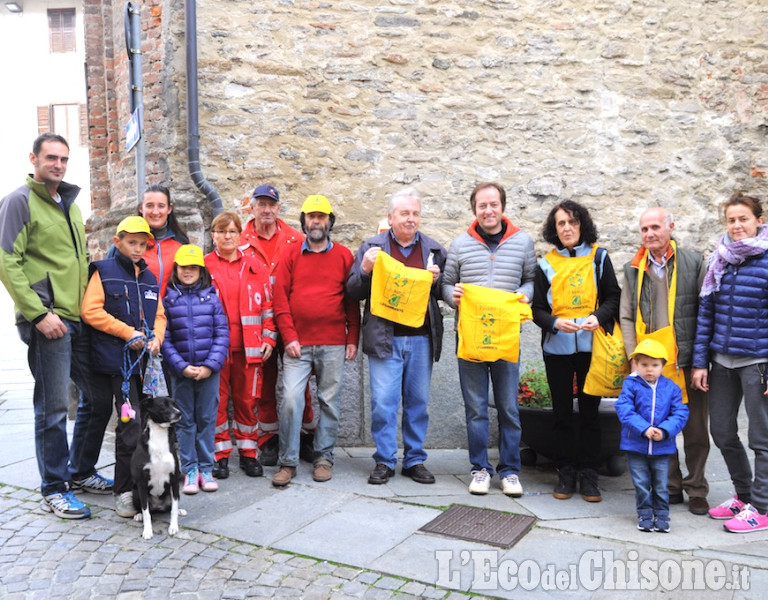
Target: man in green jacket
{"points": [[44, 267]]}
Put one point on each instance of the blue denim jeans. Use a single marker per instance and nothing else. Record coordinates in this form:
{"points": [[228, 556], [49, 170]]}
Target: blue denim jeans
{"points": [[407, 374], [198, 402], [327, 362], [52, 364], [650, 475], [474, 379]]}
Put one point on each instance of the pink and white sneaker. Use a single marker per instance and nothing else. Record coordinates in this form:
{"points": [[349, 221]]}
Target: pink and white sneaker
{"points": [[746, 521], [207, 482], [728, 509]]}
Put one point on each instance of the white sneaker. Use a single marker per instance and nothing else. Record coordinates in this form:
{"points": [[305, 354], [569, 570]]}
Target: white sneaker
{"points": [[481, 482], [511, 486], [124, 505]]}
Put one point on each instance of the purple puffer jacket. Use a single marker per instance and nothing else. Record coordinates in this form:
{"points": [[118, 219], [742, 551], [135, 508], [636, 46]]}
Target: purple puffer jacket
{"points": [[197, 332]]}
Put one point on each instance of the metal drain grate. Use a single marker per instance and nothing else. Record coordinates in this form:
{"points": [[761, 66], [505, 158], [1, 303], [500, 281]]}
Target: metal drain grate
{"points": [[480, 525]]}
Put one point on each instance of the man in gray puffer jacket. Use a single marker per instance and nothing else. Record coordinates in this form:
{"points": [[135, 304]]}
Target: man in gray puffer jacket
{"points": [[496, 254]]}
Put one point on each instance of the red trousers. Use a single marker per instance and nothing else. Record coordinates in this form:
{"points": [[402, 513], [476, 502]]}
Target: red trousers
{"points": [[241, 382], [266, 402]]}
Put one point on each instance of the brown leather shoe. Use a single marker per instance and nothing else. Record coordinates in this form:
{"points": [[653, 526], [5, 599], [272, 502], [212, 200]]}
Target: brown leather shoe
{"points": [[676, 498], [698, 505], [283, 476], [322, 471]]}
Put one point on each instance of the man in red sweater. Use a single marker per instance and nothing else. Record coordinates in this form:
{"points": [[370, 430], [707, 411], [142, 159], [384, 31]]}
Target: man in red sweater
{"points": [[320, 327]]}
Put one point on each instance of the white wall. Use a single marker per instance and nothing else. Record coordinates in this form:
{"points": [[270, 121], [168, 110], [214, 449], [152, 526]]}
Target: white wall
{"points": [[32, 76]]}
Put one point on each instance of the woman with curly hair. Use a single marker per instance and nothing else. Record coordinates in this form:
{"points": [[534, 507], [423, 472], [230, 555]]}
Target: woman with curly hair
{"points": [[575, 292]]}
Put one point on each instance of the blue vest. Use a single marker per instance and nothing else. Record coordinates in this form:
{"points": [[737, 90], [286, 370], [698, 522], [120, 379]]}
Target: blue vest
{"points": [[127, 297]]}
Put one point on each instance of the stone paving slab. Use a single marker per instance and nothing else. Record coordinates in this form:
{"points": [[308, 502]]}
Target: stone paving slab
{"points": [[358, 531]]}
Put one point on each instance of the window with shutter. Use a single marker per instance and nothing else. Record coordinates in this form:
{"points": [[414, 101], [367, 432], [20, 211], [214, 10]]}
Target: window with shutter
{"points": [[61, 29]]}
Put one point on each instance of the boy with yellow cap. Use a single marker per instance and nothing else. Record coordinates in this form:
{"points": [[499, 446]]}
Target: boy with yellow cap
{"points": [[651, 410], [121, 306]]}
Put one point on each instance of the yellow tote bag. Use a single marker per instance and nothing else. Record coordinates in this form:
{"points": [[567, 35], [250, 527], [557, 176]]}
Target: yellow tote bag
{"points": [[489, 324], [399, 293], [609, 365]]}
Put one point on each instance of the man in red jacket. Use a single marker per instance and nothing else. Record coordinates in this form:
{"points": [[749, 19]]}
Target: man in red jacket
{"points": [[266, 237], [320, 326]]}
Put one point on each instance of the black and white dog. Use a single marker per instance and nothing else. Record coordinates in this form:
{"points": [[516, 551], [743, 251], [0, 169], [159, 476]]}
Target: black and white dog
{"points": [[155, 464]]}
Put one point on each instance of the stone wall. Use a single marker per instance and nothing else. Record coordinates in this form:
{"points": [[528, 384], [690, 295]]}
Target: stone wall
{"points": [[617, 104]]}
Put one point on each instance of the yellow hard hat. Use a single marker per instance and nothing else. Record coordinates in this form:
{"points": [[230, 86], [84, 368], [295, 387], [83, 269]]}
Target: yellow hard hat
{"points": [[134, 224], [651, 348], [316, 203], [189, 255]]}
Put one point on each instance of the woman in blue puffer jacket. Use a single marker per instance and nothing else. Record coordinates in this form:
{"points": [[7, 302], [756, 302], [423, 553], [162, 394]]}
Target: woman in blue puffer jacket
{"points": [[195, 348], [730, 356]]}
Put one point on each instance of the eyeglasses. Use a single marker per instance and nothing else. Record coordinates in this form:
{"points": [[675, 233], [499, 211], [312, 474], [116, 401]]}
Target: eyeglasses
{"points": [[230, 232]]}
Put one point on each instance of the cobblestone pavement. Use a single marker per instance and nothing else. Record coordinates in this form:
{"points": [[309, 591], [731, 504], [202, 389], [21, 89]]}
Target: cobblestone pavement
{"points": [[45, 557]]}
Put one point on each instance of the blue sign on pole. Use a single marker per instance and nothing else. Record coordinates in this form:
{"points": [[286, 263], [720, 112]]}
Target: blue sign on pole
{"points": [[132, 130]]}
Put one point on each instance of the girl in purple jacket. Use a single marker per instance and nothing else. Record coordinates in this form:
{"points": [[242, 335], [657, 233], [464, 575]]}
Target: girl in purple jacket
{"points": [[195, 347]]}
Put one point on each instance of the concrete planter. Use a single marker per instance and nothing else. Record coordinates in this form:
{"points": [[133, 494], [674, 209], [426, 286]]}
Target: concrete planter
{"points": [[538, 436]]}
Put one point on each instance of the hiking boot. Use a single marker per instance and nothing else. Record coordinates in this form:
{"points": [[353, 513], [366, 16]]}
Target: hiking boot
{"points": [[190, 483], [206, 482], [124, 505], [511, 486], [380, 474], [268, 452], [588, 486], [307, 447], [283, 476], [728, 509], [481, 483], [566, 483], [65, 505], [322, 470], [94, 484], [221, 468], [251, 466]]}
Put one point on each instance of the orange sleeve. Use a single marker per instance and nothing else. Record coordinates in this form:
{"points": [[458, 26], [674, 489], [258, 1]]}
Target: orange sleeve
{"points": [[160, 322], [93, 312]]}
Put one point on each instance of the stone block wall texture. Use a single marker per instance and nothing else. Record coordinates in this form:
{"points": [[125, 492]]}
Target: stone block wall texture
{"points": [[620, 105]]}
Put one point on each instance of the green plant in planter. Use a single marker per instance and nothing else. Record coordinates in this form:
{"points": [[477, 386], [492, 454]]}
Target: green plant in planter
{"points": [[533, 389]]}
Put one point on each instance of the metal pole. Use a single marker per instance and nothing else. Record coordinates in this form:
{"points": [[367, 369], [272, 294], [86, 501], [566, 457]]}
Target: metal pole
{"points": [[132, 13]]}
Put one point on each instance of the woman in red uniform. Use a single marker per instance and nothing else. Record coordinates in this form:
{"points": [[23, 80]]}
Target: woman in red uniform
{"points": [[246, 295]]}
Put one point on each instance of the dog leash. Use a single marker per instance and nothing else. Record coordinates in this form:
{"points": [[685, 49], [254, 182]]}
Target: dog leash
{"points": [[126, 410]]}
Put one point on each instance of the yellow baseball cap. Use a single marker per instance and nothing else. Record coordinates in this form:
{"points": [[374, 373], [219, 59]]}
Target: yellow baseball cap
{"points": [[189, 255], [134, 224], [651, 348], [316, 203]]}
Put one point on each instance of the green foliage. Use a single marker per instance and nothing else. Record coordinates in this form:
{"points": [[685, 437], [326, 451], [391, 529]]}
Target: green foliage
{"points": [[533, 390]]}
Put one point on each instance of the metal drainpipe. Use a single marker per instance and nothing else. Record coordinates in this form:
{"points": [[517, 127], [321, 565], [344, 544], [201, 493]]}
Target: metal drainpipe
{"points": [[193, 129]]}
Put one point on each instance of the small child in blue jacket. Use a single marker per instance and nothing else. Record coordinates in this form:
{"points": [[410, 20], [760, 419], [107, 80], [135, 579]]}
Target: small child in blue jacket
{"points": [[651, 410], [195, 347]]}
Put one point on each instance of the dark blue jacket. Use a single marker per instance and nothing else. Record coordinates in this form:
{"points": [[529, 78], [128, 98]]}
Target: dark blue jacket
{"points": [[638, 410], [197, 333], [126, 297], [734, 320]]}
